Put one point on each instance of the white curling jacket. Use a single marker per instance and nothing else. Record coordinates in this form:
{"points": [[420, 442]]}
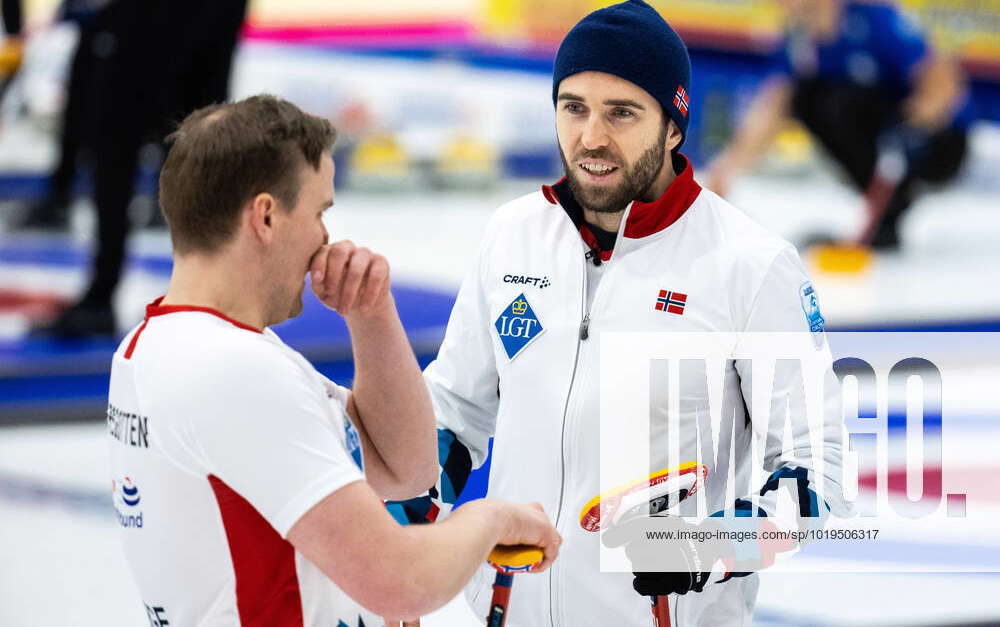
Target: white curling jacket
{"points": [[520, 363]]}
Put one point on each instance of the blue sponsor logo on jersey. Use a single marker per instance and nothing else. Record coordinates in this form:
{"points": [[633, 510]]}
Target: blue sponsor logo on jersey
{"points": [[810, 306], [353, 441], [517, 326], [130, 493], [126, 499]]}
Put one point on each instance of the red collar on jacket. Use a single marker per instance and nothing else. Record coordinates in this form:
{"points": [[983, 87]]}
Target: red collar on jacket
{"points": [[645, 218], [156, 309]]}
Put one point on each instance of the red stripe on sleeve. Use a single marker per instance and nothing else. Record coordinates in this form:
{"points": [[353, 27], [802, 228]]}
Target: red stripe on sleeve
{"points": [[267, 586]]}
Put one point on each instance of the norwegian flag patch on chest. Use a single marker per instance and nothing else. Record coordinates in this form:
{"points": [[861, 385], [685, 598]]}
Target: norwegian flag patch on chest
{"points": [[671, 302]]}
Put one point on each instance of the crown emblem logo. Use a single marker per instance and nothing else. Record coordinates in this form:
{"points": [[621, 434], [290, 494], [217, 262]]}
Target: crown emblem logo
{"points": [[517, 326]]}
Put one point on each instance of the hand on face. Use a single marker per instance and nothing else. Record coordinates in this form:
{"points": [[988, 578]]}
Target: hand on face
{"points": [[350, 280]]}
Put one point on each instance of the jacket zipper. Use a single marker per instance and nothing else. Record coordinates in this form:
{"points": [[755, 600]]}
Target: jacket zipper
{"points": [[581, 336]]}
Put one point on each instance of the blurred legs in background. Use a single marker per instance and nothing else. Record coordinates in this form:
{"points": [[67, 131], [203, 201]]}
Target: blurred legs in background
{"points": [[52, 210], [12, 17], [857, 126], [158, 61]]}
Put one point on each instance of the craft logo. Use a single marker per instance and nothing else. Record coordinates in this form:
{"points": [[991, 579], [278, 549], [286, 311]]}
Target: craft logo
{"points": [[671, 302], [126, 499], [540, 282], [517, 326]]}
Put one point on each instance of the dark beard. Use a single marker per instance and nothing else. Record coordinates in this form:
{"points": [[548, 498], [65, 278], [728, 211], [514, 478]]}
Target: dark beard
{"points": [[635, 186]]}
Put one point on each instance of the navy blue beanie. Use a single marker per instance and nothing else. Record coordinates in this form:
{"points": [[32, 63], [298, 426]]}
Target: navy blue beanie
{"points": [[632, 41]]}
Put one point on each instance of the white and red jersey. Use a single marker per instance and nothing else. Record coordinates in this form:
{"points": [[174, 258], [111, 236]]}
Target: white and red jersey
{"points": [[520, 362], [221, 438]]}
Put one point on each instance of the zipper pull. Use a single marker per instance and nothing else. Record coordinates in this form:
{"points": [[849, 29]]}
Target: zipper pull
{"points": [[585, 327]]}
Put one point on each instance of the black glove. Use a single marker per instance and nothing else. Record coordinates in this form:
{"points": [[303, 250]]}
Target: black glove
{"points": [[665, 562], [690, 579]]}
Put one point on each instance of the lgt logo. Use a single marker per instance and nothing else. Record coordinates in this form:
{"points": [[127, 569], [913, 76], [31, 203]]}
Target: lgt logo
{"points": [[517, 326]]}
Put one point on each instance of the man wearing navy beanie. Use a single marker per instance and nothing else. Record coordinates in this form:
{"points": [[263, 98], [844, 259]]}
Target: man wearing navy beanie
{"points": [[632, 41], [629, 49], [627, 241]]}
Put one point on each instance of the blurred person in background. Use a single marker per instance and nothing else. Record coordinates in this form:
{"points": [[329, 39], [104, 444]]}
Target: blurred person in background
{"points": [[150, 64], [51, 211], [891, 110]]}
